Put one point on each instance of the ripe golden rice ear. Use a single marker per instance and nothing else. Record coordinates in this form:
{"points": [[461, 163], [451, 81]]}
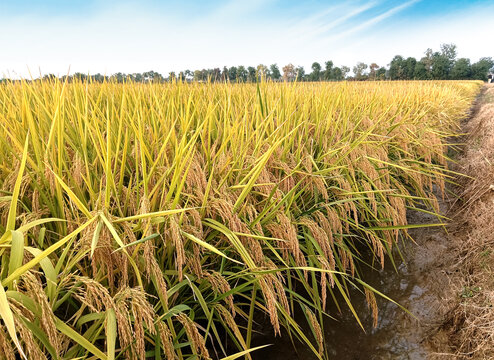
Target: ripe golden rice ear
{"points": [[197, 341], [196, 177], [92, 293], [133, 312], [31, 347], [325, 265], [177, 241], [48, 174], [319, 235], [166, 339], [316, 327], [370, 297], [193, 224], [97, 238], [229, 320], [143, 314], [221, 286], [161, 286], [124, 325], [269, 294], [6, 348], [193, 262], [78, 169], [34, 289]]}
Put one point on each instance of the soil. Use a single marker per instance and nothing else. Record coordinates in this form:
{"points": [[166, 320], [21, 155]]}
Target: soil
{"points": [[467, 331], [438, 282]]}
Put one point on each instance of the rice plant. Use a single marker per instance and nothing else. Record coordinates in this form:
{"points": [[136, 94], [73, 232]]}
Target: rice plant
{"points": [[160, 221]]}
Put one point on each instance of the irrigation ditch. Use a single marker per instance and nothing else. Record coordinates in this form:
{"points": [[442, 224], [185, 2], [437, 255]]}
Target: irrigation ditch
{"points": [[443, 279]]}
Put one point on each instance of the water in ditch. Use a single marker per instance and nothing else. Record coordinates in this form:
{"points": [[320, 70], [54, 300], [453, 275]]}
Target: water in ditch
{"points": [[418, 284]]}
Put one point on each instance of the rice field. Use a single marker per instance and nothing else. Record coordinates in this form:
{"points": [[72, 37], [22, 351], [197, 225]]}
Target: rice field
{"points": [[160, 221]]}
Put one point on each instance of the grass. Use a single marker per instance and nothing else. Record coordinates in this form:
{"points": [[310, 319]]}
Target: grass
{"points": [[158, 221]]}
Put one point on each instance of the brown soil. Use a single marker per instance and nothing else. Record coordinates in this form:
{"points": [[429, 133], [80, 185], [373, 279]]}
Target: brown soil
{"points": [[468, 329]]}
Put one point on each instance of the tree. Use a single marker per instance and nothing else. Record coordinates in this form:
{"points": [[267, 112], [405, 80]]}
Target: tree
{"points": [[242, 73], [251, 73], [373, 71], [344, 71], [289, 72], [275, 72], [336, 74], [119, 77], [171, 76], [198, 75], [440, 66], [427, 60], [224, 74], [359, 71], [232, 73], [328, 71], [420, 72], [79, 76], [381, 73], [216, 74], [481, 68], [449, 51], [409, 68], [462, 69], [262, 71], [98, 77], [315, 75], [300, 73], [152, 76], [50, 77], [137, 77], [397, 68]]}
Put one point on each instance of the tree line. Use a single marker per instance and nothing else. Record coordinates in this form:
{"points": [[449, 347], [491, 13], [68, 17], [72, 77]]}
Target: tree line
{"points": [[434, 65]]}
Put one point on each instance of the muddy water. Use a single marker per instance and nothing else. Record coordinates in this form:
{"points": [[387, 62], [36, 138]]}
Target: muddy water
{"points": [[418, 284]]}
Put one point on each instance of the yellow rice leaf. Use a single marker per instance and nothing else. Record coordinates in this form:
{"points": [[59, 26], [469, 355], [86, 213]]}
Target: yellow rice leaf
{"points": [[8, 319]]}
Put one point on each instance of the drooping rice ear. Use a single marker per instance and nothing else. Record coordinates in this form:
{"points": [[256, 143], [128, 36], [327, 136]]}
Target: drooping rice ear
{"points": [[316, 327], [34, 289], [6, 348], [197, 341], [166, 339], [370, 297], [177, 241]]}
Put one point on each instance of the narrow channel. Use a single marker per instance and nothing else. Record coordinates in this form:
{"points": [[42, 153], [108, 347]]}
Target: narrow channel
{"points": [[418, 284]]}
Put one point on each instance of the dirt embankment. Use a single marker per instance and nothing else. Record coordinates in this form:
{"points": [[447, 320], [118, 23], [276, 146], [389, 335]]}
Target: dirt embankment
{"points": [[468, 329]]}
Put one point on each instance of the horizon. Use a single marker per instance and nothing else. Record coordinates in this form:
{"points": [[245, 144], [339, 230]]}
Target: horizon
{"points": [[95, 37]]}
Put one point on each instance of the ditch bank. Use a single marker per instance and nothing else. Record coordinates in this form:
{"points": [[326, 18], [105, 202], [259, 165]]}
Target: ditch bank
{"points": [[446, 279], [467, 331]]}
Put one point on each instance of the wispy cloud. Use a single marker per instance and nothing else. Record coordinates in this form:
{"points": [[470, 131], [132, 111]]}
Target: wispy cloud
{"points": [[312, 29], [366, 25]]}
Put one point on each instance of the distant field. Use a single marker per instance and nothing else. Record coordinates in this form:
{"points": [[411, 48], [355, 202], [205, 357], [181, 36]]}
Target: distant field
{"points": [[158, 221]]}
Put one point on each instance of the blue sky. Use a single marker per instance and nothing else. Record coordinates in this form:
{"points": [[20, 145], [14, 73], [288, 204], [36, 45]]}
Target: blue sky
{"points": [[135, 36]]}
